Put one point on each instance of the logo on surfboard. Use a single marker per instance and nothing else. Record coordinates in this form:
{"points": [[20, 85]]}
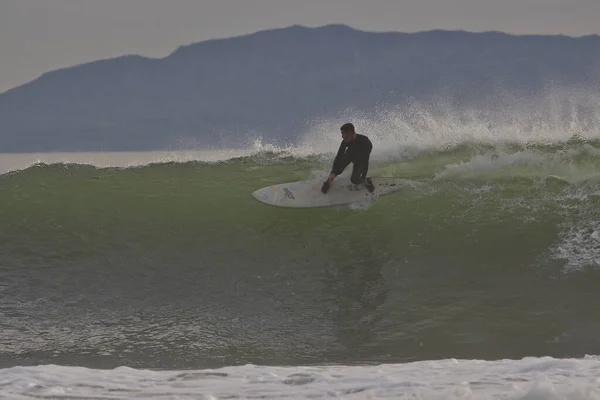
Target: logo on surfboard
{"points": [[288, 194]]}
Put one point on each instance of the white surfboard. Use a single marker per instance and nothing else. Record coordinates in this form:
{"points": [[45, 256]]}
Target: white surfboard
{"points": [[307, 194]]}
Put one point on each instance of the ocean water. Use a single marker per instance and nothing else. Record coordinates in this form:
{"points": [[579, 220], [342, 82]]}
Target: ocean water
{"points": [[158, 276]]}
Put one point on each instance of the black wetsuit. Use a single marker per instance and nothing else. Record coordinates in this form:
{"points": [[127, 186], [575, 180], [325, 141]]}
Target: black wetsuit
{"points": [[357, 152]]}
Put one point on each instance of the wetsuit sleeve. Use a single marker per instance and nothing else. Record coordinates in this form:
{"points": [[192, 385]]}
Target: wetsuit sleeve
{"points": [[340, 162], [365, 148]]}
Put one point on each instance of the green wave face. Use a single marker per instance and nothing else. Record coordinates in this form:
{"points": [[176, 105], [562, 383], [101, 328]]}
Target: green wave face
{"points": [[466, 197]]}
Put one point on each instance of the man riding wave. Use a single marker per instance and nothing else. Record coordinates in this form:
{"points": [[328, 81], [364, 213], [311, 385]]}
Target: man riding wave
{"points": [[356, 149]]}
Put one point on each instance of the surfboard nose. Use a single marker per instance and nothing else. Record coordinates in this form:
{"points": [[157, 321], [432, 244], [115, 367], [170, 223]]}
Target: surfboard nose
{"points": [[261, 195]]}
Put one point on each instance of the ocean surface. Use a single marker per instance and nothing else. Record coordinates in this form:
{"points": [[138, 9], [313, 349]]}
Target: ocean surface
{"points": [[158, 276]]}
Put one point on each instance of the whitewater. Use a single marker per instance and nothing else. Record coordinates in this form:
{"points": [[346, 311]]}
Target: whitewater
{"points": [[157, 275]]}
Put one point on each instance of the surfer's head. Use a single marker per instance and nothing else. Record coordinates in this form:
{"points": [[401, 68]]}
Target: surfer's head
{"points": [[348, 133]]}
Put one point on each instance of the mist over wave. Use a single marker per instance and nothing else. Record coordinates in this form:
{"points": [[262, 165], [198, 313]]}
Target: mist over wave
{"points": [[506, 120], [563, 115]]}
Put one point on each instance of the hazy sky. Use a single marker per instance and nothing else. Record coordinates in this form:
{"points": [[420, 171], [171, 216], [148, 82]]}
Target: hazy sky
{"points": [[41, 35]]}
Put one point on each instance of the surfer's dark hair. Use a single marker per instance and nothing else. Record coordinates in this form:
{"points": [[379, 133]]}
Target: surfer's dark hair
{"points": [[347, 127]]}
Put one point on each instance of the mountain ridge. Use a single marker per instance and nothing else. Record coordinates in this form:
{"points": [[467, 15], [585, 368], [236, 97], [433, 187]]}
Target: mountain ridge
{"points": [[273, 82]]}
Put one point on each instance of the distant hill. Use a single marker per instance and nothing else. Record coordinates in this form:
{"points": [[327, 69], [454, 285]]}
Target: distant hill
{"points": [[273, 82]]}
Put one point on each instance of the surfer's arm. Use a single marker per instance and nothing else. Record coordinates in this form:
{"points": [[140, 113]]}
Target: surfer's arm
{"points": [[340, 162]]}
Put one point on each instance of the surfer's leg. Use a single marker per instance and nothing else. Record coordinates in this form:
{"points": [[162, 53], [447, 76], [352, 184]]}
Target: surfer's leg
{"points": [[359, 171], [359, 174], [356, 175]]}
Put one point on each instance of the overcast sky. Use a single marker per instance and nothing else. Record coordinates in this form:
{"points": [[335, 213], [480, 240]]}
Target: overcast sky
{"points": [[37, 36]]}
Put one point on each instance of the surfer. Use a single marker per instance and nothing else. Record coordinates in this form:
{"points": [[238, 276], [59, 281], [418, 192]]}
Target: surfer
{"points": [[356, 149]]}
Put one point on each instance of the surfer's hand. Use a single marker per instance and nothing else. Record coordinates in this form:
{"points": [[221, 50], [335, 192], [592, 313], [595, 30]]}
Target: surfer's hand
{"points": [[326, 184]]}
